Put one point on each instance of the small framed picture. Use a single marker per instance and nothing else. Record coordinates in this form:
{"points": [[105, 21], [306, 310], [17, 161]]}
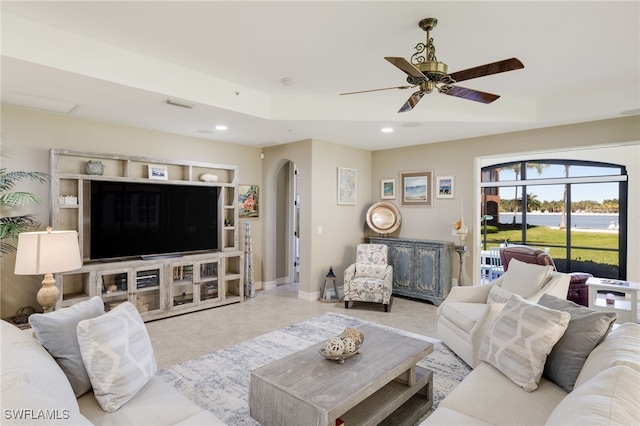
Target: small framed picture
{"points": [[347, 185], [388, 189], [248, 201], [417, 188], [445, 187], [158, 172]]}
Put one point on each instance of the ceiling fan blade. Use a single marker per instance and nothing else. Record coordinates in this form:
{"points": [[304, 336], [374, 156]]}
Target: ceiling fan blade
{"points": [[470, 94], [412, 101], [488, 69], [405, 66], [377, 90]]}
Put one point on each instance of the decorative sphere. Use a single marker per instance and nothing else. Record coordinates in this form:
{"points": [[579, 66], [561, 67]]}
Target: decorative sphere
{"points": [[349, 345], [335, 346], [352, 333]]}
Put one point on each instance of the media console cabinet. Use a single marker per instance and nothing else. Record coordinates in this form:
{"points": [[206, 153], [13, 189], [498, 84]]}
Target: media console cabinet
{"points": [[162, 285]]}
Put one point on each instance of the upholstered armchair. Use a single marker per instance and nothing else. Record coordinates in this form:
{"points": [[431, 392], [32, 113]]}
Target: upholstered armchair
{"points": [[525, 254], [370, 278], [466, 314]]}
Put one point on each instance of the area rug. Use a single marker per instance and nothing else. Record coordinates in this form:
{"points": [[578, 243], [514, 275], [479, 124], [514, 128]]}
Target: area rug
{"points": [[219, 381]]}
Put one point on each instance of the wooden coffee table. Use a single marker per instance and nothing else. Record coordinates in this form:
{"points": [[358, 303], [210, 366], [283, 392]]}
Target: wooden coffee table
{"points": [[380, 385]]}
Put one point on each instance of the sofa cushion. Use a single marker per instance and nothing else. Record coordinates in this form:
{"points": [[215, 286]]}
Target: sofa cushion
{"points": [[157, 403], [609, 398], [33, 384], [521, 337], [118, 355], [525, 279], [587, 328], [621, 347], [56, 331], [463, 315], [489, 396]]}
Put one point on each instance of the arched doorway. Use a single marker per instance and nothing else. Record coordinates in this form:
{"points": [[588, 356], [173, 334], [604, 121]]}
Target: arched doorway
{"points": [[287, 234]]}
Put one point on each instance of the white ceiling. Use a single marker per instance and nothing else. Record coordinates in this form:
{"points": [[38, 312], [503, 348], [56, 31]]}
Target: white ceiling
{"points": [[120, 61]]}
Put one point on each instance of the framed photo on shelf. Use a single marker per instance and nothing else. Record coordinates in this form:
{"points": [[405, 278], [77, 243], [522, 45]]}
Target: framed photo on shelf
{"points": [[248, 201], [158, 172], [445, 186], [417, 188], [347, 185], [388, 189]]}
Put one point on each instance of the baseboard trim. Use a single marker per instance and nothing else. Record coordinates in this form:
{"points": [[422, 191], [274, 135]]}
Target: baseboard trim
{"points": [[309, 297]]}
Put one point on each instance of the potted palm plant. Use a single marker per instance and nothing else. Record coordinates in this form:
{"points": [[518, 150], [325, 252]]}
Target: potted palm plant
{"points": [[11, 226]]}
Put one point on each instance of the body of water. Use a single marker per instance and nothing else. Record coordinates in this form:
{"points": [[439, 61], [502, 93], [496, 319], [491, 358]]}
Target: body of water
{"points": [[585, 221]]}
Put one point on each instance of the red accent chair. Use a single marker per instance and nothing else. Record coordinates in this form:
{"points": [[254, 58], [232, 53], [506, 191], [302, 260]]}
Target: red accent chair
{"points": [[578, 290], [525, 254]]}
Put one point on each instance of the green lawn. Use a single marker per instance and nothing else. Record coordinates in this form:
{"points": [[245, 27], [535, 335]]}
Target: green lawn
{"points": [[541, 236]]}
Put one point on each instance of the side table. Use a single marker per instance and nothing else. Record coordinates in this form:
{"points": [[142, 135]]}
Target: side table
{"points": [[627, 307]]}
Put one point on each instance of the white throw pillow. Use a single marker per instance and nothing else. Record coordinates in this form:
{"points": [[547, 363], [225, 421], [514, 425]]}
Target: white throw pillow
{"points": [[521, 337], [56, 331], [118, 355], [525, 279], [498, 295]]}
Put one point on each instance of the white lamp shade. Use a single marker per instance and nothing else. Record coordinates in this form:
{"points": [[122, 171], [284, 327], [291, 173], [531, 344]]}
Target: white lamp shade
{"points": [[47, 252]]}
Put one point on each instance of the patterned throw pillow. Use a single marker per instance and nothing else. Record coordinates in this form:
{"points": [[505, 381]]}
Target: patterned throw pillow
{"points": [[498, 295], [370, 271], [520, 339], [117, 353]]}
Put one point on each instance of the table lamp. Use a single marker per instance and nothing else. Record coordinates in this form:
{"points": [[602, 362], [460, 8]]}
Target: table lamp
{"points": [[47, 252]]}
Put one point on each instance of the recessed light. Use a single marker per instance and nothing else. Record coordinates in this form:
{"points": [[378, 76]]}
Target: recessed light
{"points": [[387, 129], [221, 127]]}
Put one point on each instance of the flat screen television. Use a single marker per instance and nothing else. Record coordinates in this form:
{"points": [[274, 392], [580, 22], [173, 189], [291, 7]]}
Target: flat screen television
{"points": [[147, 219]]}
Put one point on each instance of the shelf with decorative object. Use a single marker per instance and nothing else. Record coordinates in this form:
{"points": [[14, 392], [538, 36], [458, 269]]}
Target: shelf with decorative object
{"points": [[209, 277]]}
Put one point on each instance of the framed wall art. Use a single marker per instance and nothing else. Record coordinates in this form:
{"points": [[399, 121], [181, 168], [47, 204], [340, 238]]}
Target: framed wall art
{"points": [[445, 187], [248, 201], [347, 185], [417, 188], [388, 189], [158, 172]]}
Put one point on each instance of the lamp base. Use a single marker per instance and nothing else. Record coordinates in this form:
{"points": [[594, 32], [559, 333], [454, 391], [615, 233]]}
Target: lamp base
{"points": [[48, 294]]}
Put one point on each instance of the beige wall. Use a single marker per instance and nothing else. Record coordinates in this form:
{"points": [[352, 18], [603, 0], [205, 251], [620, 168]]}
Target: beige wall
{"points": [[329, 232], [461, 159], [28, 136]]}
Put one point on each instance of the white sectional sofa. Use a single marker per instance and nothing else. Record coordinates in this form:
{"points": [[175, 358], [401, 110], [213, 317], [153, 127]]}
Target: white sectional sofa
{"points": [[36, 391], [607, 391]]}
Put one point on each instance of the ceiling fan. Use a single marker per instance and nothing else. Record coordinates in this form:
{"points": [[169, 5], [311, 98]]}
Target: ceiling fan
{"points": [[427, 73]]}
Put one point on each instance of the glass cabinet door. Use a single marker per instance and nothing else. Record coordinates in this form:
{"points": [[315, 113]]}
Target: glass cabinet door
{"points": [[114, 288], [147, 293], [208, 280], [182, 285]]}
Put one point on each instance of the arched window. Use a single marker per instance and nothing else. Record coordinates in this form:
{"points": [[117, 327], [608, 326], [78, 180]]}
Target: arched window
{"points": [[577, 210]]}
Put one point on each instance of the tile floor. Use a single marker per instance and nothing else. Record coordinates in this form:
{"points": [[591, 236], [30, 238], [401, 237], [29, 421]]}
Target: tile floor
{"points": [[180, 338]]}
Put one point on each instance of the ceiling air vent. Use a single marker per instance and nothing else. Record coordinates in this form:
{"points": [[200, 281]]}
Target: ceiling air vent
{"points": [[181, 104]]}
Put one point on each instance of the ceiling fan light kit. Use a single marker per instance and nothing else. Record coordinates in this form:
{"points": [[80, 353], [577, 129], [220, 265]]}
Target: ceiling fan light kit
{"points": [[428, 74]]}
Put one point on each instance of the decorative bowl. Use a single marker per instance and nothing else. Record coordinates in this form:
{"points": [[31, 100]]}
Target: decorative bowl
{"points": [[339, 358]]}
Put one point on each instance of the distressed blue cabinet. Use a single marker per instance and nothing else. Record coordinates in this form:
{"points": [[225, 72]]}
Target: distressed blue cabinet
{"points": [[421, 268]]}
